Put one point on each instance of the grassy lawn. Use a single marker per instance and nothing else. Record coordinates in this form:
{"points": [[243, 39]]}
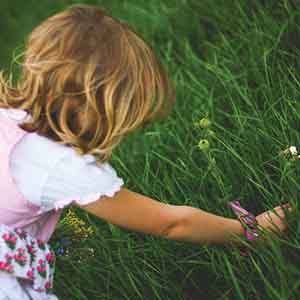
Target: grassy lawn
{"points": [[237, 64]]}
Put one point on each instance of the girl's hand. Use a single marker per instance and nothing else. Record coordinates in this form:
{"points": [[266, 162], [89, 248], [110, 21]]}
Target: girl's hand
{"points": [[274, 221]]}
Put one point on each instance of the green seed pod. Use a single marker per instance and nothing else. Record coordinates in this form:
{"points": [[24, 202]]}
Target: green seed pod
{"points": [[203, 144]]}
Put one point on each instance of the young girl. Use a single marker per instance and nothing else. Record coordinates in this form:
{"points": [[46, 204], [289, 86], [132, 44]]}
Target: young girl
{"points": [[87, 81]]}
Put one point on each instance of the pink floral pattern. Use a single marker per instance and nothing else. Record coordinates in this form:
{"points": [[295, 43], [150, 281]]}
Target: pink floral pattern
{"points": [[10, 240], [27, 257]]}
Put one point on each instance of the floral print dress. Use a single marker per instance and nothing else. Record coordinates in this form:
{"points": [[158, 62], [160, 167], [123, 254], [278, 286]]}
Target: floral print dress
{"points": [[27, 258], [38, 178]]}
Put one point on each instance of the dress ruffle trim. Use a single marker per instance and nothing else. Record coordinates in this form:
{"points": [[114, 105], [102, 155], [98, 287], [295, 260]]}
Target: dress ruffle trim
{"points": [[91, 197]]}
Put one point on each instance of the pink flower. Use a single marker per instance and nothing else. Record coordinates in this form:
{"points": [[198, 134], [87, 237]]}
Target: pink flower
{"points": [[31, 249], [2, 265], [41, 261], [41, 269], [6, 266], [5, 236], [50, 257], [20, 258], [30, 274], [48, 285], [10, 238]]}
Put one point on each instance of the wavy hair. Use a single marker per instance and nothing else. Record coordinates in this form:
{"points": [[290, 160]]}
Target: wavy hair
{"points": [[87, 80]]}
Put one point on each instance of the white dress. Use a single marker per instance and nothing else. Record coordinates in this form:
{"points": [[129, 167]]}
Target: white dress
{"points": [[58, 178]]}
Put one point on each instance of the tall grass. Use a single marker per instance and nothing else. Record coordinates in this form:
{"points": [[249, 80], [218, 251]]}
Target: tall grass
{"points": [[236, 63]]}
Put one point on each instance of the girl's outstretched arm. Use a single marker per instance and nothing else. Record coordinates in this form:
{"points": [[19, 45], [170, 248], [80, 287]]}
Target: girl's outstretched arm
{"points": [[137, 212], [177, 222]]}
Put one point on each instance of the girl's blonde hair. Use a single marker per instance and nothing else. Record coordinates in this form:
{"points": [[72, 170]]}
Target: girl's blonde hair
{"points": [[87, 80]]}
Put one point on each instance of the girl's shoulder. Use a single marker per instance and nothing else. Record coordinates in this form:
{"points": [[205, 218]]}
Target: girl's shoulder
{"points": [[35, 145], [17, 115], [58, 174]]}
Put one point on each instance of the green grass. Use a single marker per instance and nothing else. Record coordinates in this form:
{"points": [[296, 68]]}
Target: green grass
{"points": [[237, 63]]}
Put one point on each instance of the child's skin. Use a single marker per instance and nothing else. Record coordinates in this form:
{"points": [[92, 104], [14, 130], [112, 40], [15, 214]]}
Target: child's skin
{"points": [[137, 212]]}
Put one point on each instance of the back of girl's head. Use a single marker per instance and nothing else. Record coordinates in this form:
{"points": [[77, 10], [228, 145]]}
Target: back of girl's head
{"points": [[88, 80]]}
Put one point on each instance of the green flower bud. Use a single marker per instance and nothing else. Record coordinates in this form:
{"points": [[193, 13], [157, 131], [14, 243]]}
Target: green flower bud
{"points": [[204, 123], [203, 144]]}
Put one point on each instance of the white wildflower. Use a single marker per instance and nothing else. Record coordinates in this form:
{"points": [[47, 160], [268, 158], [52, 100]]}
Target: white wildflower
{"points": [[293, 150]]}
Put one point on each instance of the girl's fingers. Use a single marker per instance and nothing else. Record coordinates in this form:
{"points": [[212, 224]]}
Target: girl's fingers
{"points": [[274, 219], [286, 205]]}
